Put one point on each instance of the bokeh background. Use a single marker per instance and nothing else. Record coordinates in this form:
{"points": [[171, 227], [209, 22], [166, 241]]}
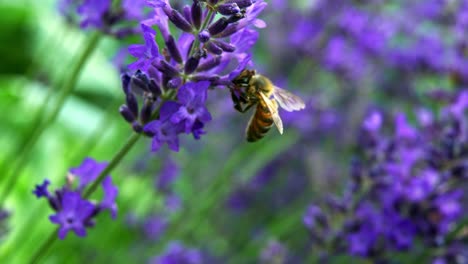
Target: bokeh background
{"points": [[233, 201]]}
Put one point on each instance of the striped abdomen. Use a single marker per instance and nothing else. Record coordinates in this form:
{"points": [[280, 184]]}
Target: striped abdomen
{"points": [[259, 123]]}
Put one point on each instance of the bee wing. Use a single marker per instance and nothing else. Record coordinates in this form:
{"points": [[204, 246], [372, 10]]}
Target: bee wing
{"points": [[287, 100], [273, 108]]}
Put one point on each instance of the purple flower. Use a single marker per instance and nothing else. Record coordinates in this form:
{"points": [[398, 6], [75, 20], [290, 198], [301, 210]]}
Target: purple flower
{"points": [[373, 122], [164, 131], [72, 211], [167, 175], [133, 9], [154, 226], [177, 253], [146, 53], [209, 49], [116, 20], [403, 129], [110, 194], [172, 202], [459, 108], [92, 12], [88, 171], [74, 215], [409, 189], [192, 97]]}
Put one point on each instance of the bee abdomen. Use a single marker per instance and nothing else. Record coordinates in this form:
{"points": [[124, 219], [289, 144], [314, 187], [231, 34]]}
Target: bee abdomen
{"points": [[259, 124]]}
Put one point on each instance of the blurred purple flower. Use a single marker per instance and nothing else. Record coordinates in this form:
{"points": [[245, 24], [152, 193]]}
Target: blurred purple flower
{"points": [[92, 12], [408, 190], [177, 253]]}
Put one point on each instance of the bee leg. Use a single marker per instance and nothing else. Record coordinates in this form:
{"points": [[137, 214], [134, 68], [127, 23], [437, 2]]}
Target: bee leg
{"points": [[245, 108]]}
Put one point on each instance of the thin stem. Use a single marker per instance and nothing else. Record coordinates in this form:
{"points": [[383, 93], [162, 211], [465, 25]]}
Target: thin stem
{"points": [[196, 44], [45, 247], [69, 85], [113, 163]]}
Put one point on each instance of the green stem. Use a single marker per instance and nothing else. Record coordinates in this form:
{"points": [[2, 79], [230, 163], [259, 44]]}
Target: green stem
{"points": [[112, 164], [34, 135], [196, 44], [45, 247]]}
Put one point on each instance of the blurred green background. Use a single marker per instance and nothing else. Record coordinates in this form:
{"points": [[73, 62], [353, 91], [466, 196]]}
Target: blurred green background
{"points": [[37, 52]]}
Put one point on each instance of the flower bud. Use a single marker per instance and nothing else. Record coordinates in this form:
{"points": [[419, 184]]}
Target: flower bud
{"points": [[209, 64], [137, 127], [174, 83], [166, 68], [178, 20], [203, 77], [231, 29], [227, 47], [126, 113], [173, 49], [139, 82], [125, 83], [191, 65], [213, 48], [242, 4], [146, 112], [132, 103], [187, 13], [204, 36], [154, 88], [218, 26], [196, 14], [228, 9]]}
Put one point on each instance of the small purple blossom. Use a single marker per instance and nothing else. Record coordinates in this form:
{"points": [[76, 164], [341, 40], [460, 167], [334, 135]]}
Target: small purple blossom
{"points": [[102, 15], [177, 253], [74, 215], [72, 211], [41, 189], [145, 53], [88, 171], [167, 175], [92, 12], [164, 131], [110, 194], [192, 98]]}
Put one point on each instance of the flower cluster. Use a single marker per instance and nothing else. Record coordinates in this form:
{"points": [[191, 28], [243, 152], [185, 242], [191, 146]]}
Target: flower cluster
{"points": [[405, 188], [104, 16], [394, 44], [172, 83], [73, 211]]}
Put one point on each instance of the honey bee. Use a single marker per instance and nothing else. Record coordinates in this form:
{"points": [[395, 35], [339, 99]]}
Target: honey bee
{"points": [[250, 89]]}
